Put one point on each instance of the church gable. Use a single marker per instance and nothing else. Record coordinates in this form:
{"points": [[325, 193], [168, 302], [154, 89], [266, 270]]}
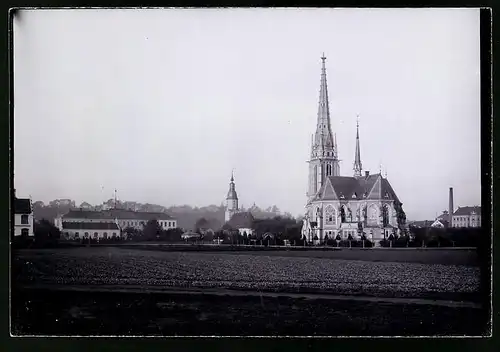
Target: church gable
{"points": [[344, 187], [329, 192], [376, 191], [387, 191]]}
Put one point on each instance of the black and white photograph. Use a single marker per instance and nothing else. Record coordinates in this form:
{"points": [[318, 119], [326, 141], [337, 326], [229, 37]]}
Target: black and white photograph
{"points": [[217, 172]]}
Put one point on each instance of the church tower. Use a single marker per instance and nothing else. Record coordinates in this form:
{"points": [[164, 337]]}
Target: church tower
{"points": [[358, 167], [231, 200], [324, 160]]}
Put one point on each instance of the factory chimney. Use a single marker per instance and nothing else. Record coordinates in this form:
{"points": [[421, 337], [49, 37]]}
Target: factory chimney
{"points": [[450, 210]]}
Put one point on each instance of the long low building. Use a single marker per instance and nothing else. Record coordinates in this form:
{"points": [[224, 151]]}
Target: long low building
{"points": [[87, 229], [121, 217]]}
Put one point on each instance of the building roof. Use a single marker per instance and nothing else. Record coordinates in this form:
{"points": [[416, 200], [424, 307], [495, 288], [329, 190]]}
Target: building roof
{"points": [[442, 221], [112, 214], [443, 216], [372, 187], [422, 223], [243, 220], [89, 225], [22, 206], [468, 211]]}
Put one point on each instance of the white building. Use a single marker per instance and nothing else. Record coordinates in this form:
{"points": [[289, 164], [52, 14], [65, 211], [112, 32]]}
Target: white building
{"points": [[342, 206], [23, 217], [467, 217], [122, 218], [87, 229], [243, 222]]}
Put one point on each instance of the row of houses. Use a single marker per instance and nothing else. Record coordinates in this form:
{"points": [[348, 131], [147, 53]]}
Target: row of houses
{"points": [[469, 216], [82, 223]]}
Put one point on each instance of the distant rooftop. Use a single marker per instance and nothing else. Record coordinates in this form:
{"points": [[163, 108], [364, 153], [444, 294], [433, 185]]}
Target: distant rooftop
{"points": [[468, 211], [89, 225], [112, 214]]}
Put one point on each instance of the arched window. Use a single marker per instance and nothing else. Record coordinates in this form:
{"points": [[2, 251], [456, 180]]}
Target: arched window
{"points": [[342, 213], [86, 234], [330, 215], [96, 234], [24, 219], [105, 235]]}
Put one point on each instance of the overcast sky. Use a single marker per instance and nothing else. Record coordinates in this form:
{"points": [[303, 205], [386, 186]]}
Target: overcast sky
{"points": [[163, 104]]}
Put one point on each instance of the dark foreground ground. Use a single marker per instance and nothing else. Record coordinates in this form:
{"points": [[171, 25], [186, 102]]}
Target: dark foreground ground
{"points": [[124, 291], [121, 313]]}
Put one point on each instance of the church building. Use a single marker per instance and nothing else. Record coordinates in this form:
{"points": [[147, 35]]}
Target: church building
{"points": [[345, 207], [243, 221]]}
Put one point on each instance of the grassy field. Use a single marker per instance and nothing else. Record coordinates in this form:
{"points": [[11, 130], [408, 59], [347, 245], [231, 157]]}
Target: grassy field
{"points": [[280, 273]]}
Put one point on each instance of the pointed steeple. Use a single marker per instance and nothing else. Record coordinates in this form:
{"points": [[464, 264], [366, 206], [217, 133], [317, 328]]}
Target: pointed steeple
{"points": [[231, 194], [358, 167], [231, 200], [323, 137]]}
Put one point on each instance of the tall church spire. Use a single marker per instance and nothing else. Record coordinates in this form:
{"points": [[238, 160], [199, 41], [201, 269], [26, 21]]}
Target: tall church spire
{"points": [[358, 167], [323, 135], [324, 158]]}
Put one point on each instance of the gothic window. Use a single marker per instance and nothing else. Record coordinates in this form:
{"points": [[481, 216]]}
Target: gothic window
{"points": [[330, 215], [385, 215], [349, 214], [328, 170], [373, 213], [342, 214]]}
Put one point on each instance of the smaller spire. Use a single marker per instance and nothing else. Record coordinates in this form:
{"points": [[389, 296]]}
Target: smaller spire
{"points": [[358, 167]]}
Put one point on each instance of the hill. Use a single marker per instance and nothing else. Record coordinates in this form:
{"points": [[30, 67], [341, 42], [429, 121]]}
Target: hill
{"points": [[186, 215]]}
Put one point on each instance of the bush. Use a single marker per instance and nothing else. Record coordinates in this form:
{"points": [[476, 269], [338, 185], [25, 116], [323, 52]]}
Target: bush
{"points": [[401, 242], [368, 244], [385, 243]]}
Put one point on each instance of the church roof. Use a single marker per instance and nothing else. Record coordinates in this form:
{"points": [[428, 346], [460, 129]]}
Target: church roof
{"points": [[373, 187], [243, 220]]}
